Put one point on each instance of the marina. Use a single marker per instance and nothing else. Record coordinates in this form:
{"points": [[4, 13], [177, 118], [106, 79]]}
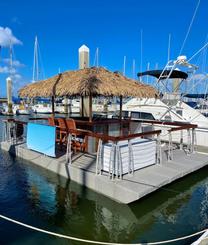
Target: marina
{"points": [[119, 157], [103, 123]]}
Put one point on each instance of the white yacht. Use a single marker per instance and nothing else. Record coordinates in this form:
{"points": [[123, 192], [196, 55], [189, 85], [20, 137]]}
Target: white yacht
{"points": [[43, 108], [73, 106], [22, 109], [46, 108], [170, 106]]}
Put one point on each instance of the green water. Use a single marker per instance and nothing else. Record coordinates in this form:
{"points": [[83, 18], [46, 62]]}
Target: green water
{"points": [[43, 199]]}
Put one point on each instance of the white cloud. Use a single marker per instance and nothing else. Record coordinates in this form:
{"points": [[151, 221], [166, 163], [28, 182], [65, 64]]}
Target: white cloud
{"points": [[7, 37], [15, 63], [16, 77], [6, 69]]}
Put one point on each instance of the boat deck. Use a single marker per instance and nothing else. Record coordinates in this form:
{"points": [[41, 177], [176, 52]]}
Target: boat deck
{"points": [[126, 190]]}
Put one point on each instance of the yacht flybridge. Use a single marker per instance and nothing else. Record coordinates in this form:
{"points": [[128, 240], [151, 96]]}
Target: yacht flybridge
{"points": [[170, 106]]}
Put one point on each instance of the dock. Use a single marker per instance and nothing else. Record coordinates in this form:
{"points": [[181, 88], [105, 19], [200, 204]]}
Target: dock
{"points": [[202, 239], [131, 187]]}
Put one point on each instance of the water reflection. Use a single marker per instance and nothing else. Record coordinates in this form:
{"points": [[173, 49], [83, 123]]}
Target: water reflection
{"points": [[92, 216]]}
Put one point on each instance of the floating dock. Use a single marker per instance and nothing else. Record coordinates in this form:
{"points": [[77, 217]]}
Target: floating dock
{"points": [[131, 187], [202, 239]]}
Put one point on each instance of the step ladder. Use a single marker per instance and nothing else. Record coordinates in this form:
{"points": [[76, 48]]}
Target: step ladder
{"points": [[165, 75]]}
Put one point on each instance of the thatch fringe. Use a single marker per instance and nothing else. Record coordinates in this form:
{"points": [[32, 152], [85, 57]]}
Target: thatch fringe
{"points": [[95, 81]]}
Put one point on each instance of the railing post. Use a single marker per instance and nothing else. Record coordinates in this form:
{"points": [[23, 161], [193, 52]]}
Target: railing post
{"points": [[193, 146], [117, 160], [158, 151], [68, 150], [112, 159], [5, 131], [131, 159], [170, 147], [120, 167], [188, 141], [181, 140], [99, 157]]}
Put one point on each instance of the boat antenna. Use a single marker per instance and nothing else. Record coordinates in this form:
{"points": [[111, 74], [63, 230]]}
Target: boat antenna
{"points": [[124, 66], [141, 50], [169, 41], [133, 68], [189, 29]]}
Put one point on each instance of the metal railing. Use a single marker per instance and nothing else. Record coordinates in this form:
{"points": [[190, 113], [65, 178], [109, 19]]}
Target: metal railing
{"points": [[11, 134]]}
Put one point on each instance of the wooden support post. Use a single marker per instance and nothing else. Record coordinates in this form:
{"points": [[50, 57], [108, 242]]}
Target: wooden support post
{"points": [[82, 106], [66, 105], [120, 112], [90, 107]]}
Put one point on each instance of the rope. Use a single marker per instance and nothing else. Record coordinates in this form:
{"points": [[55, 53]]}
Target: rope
{"points": [[97, 242], [189, 29], [198, 52]]}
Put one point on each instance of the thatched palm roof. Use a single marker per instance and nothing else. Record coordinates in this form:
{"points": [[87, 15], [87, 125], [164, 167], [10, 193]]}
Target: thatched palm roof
{"points": [[94, 81]]}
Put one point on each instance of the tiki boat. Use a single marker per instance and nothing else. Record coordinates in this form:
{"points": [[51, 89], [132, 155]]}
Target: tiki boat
{"points": [[121, 158]]}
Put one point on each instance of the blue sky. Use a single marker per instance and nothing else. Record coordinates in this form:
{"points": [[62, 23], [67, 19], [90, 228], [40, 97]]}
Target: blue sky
{"points": [[112, 25]]}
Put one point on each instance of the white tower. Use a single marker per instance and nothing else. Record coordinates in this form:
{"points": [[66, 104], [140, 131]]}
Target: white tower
{"points": [[84, 57], [9, 90], [9, 94], [84, 54]]}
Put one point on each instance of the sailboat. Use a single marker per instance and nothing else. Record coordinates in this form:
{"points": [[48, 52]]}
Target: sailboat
{"points": [[44, 107]]}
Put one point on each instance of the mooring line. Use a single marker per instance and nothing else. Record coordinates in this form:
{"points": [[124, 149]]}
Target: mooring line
{"points": [[97, 242]]}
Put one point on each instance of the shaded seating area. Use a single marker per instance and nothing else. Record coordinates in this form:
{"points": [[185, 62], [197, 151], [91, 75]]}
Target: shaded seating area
{"points": [[88, 83], [66, 127]]}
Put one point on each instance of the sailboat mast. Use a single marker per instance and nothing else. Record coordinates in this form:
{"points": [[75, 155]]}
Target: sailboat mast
{"points": [[148, 68], [35, 61], [133, 68], [10, 57], [141, 51], [97, 57], [124, 66]]}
